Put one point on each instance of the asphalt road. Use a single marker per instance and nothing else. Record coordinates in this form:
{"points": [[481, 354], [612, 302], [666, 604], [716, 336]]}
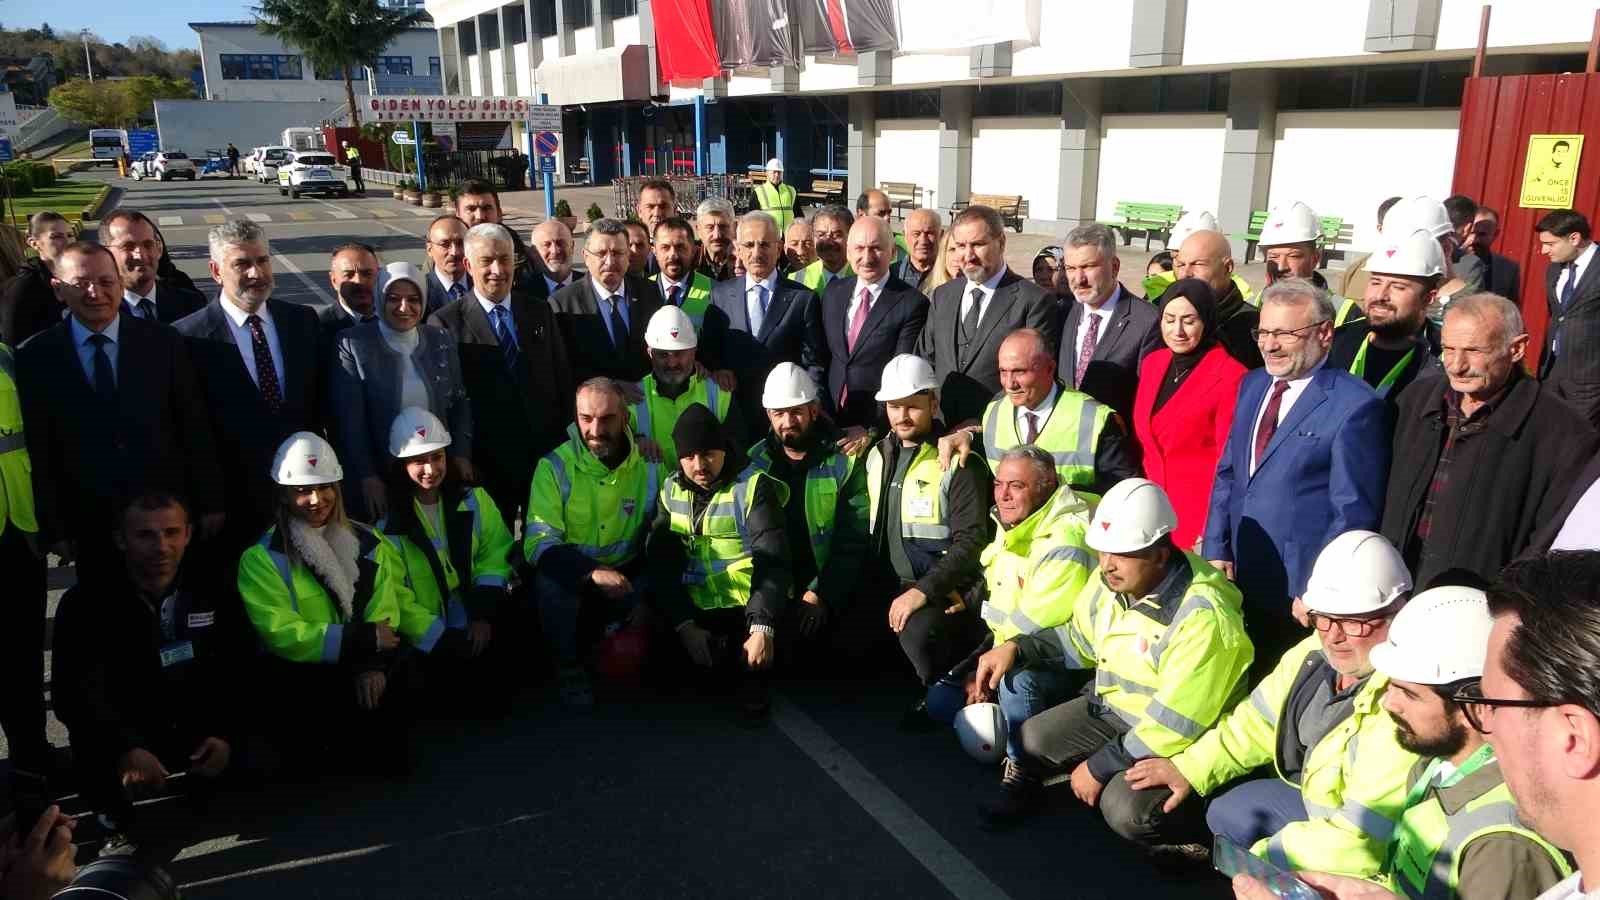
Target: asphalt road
{"points": [[650, 795]]}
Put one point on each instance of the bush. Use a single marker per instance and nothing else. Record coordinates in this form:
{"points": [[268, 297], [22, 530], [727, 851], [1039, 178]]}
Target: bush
{"points": [[563, 209], [18, 185], [594, 212], [44, 174]]}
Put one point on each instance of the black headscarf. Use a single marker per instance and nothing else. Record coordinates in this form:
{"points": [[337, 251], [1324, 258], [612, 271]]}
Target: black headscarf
{"points": [[1204, 301]]}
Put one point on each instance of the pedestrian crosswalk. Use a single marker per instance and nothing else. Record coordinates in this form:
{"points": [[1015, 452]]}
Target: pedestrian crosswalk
{"points": [[306, 214]]}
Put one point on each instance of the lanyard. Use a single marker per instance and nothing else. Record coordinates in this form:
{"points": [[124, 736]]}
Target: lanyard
{"points": [[1483, 756], [1359, 367]]}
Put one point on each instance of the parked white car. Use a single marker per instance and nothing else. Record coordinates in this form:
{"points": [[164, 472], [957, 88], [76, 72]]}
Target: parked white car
{"points": [[267, 163], [164, 165], [312, 172]]}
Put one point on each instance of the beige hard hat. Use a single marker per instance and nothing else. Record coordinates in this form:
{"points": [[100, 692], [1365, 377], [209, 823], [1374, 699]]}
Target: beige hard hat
{"points": [[670, 329], [1420, 213], [1294, 224], [788, 386], [905, 375], [1439, 638], [305, 460], [1189, 223], [414, 432], [1131, 516], [1357, 574], [1416, 254]]}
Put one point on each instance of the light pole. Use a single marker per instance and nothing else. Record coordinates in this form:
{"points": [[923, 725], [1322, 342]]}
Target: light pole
{"points": [[88, 61]]}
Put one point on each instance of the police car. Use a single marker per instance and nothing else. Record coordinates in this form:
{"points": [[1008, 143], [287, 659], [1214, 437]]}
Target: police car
{"points": [[311, 171], [163, 165]]}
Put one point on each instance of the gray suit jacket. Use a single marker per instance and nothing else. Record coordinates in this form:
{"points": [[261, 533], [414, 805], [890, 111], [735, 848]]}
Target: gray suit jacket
{"points": [[1113, 372], [969, 372], [364, 394]]}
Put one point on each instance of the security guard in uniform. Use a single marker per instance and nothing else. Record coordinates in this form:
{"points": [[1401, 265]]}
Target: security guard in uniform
{"points": [[1339, 778], [774, 197], [719, 559], [589, 505], [674, 384], [1164, 633], [22, 712]]}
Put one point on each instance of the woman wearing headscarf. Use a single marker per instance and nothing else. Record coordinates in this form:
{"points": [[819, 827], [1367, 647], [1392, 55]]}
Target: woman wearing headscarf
{"points": [[1184, 404]]}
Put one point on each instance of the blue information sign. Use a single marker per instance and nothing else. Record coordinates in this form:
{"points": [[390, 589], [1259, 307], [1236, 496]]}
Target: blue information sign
{"points": [[5, 150], [143, 140], [547, 163]]}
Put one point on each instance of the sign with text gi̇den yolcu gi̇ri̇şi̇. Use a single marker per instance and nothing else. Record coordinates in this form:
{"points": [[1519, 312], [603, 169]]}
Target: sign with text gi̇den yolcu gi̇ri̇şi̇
{"points": [[425, 108]]}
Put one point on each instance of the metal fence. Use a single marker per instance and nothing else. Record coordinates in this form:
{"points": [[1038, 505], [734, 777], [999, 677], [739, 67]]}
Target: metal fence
{"points": [[689, 190], [505, 169]]}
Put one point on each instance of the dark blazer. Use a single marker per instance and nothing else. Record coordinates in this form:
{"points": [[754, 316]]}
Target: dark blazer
{"points": [[791, 332], [969, 374], [247, 432], [1574, 373], [1502, 276], [28, 304], [174, 301], [87, 457], [589, 346], [438, 298], [1509, 475], [1113, 372], [1323, 474], [893, 326], [364, 395]]}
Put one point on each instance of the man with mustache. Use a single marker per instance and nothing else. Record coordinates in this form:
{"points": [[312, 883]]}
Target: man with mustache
{"points": [[1395, 343], [448, 256], [676, 381], [131, 237], [353, 273], [829, 227]]}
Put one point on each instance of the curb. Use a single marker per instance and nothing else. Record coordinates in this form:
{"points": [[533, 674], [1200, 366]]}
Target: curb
{"points": [[101, 203]]}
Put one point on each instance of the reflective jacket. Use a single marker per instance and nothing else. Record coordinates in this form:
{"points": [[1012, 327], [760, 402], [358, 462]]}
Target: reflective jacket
{"points": [[602, 513], [1071, 434], [924, 503], [299, 619], [1035, 570], [777, 201], [721, 558], [654, 416], [474, 552], [1353, 781], [836, 510], [16, 472], [695, 301], [815, 276]]}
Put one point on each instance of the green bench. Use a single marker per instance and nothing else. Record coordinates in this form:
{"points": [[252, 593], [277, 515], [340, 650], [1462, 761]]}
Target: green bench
{"points": [[1153, 219], [1336, 236]]}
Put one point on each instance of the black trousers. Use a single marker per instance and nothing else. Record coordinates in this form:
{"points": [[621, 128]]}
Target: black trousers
{"points": [[728, 673], [95, 758], [22, 652], [310, 712], [935, 641], [1059, 738], [355, 175]]}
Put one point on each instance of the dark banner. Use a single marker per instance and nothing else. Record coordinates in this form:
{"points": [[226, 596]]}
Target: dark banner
{"points": [[754, 33], [846, 26]]}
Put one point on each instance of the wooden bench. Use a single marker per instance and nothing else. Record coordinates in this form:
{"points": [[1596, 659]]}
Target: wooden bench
{"points": [[1013, 209], [903, 196], [823, 191], [1336, 236], [1153, 219]]}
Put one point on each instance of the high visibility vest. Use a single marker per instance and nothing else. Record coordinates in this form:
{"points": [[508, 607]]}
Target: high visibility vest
{"points": [[575, 499], [1168, 669], [824, 483], [435, 572], [1349, 311], [1429, 843], [16, 470], [816, 277], [1353, 781], [296, 618], [924, 504], [1036, 569], [720, 562], [654, 416], [696, 298], [777, 201], [1071, 434], [1157, 284]]}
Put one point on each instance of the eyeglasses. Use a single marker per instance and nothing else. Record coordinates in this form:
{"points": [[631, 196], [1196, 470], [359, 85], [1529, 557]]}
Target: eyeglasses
{"points": [[751, 245], [1476, 707], [1354, 628], [1288, 337]]}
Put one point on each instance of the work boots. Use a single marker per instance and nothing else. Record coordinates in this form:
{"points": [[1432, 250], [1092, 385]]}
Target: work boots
{"points": [[1021, 795]]}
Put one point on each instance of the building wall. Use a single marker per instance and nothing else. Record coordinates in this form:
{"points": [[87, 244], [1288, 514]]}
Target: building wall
{"points": [[1013, 155], [908, 150], [419, 44], [1078, 37], [1160, 159]]}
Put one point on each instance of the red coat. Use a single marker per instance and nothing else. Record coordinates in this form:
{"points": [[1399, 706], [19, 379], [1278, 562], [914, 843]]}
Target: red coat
{"points": [[1182, 442]]}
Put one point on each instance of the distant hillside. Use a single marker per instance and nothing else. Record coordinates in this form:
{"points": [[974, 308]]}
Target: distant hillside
{"points": [[139, 56]]}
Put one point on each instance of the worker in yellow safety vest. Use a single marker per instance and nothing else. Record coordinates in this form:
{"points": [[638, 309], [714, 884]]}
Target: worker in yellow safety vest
{"points": [[674, 384], [830, 226], [22, 708], [774, 197]]}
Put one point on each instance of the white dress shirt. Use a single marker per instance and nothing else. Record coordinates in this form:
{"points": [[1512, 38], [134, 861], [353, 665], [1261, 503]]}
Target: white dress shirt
{"points": [[1581, 265], [1569, 889], [667, 284], [752, 297], [1581, 531], [243, 340], [1290, 395], [1103, 314], [465, 281], [603, 300], [1041, 412], [873, 290], [988, 288], [80, 341]]}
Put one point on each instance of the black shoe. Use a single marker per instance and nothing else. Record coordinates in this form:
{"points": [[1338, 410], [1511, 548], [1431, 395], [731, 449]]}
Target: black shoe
{"points": [[1020, 797], [1180, 861], [118, 842], [917, 721], [754, 703]]}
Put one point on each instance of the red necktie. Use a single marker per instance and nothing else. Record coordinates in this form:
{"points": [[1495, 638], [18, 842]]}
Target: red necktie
{"points": [[1090, 341], [1269, 419], [856, 322], [1033, 427]]}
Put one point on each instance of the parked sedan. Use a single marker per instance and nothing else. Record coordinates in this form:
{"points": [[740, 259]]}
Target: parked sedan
{"points": [[163, 165], [311, 171], [268, 161]]}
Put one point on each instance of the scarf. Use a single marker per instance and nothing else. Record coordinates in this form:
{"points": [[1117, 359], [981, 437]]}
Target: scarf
{"points": [[1204, 300], [331, 552]]}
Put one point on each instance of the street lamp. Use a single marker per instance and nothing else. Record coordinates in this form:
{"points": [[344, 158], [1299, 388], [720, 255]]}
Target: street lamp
{"points": [[88, 60]]}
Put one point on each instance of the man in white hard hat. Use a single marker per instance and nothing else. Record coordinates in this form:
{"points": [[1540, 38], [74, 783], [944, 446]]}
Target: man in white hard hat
{"points": [[676, 380], [929, 526], [1289, 244], [1338, 777], [775, 198], [1189, 223], [1394, 343], [1164, 632], [825, 513], [1424, 213]]}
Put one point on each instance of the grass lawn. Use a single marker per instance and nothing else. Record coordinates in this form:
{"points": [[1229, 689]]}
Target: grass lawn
{"points": [[78, 149], [67, 196]]}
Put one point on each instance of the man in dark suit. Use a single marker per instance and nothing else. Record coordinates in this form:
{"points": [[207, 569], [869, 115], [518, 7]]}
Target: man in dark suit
{"points": [[1501, 275], [28, 305], [971, 316], [448, 279], [515, 368], [353, 274], [1307, 459], [552, 242], [603, 315], [1570, 364], [131, 238], [111, 403], [1107, 330], [868, 318], [770, 319], [260, 374]]}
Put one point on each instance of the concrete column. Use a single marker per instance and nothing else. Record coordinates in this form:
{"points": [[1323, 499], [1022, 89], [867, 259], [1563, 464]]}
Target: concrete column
{"points": [[955, 147], [715, 88], [1402, 25], [785, 79], [566, 39], [1078, 179], [647, 37], [485, 71], [875, 68], [508, 56], [1251, 128], [449, 60], [603, 36], [1157, 35], [990, 61], [535, 53], [862, 150]]}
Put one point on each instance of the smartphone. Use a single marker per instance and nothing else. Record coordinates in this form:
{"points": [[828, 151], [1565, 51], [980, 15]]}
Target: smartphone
{"points": [[1230, 859], [30, 797]]}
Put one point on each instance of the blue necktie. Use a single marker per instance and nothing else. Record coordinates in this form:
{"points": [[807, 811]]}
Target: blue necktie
{"points": [[1568, 289], [619, 328], [105, 380], [457, 290], [507, 338], [142, 308], [760, 318]]}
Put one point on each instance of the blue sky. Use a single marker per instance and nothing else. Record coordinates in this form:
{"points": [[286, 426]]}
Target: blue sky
{"points": [[117, 20]]}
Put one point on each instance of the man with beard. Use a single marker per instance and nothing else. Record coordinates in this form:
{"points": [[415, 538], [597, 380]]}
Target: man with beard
{"points": [[1395, 343], [447, 252], [825, 513], [714, 222], [553, 243], [131, 238], [1105, 331], [1208, 256], [674, 384], [830, 226], [690, 291], [353, 272], [582, 560], [799, 247]]}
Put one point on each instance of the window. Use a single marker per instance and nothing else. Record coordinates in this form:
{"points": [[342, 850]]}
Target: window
{"points": [[359, 73], [618, 9], [394, 65], [467, 37], [908, 105], [1018, 100], [578, 13], [435, 67], [1167, 93], [516, 26], [261, 67], [544, 20], [488, 33], [1430, 84]]}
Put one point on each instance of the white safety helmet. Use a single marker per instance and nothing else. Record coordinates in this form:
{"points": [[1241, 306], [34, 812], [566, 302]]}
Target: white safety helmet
{"points": [[1417, 254], [670, 329], [1439, 638], [788, 386], [1357, 574], [1296, 224], [1189, 223], [981, 729], [416, 431], [305, 460], [905, 375], [1134, 514], [774, 164], [1420, 213]]}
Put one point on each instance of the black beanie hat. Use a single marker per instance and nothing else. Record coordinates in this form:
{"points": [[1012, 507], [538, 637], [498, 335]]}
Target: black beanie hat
{"points": [[698, 431]]}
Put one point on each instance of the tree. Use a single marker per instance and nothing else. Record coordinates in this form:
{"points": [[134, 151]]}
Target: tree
{"points": [[336, 35], [116, 104]]}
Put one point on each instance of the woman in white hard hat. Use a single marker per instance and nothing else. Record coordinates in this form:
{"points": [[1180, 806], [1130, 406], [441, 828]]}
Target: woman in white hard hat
{"points": [[384, 367], [457, 555], [325, 594]]}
